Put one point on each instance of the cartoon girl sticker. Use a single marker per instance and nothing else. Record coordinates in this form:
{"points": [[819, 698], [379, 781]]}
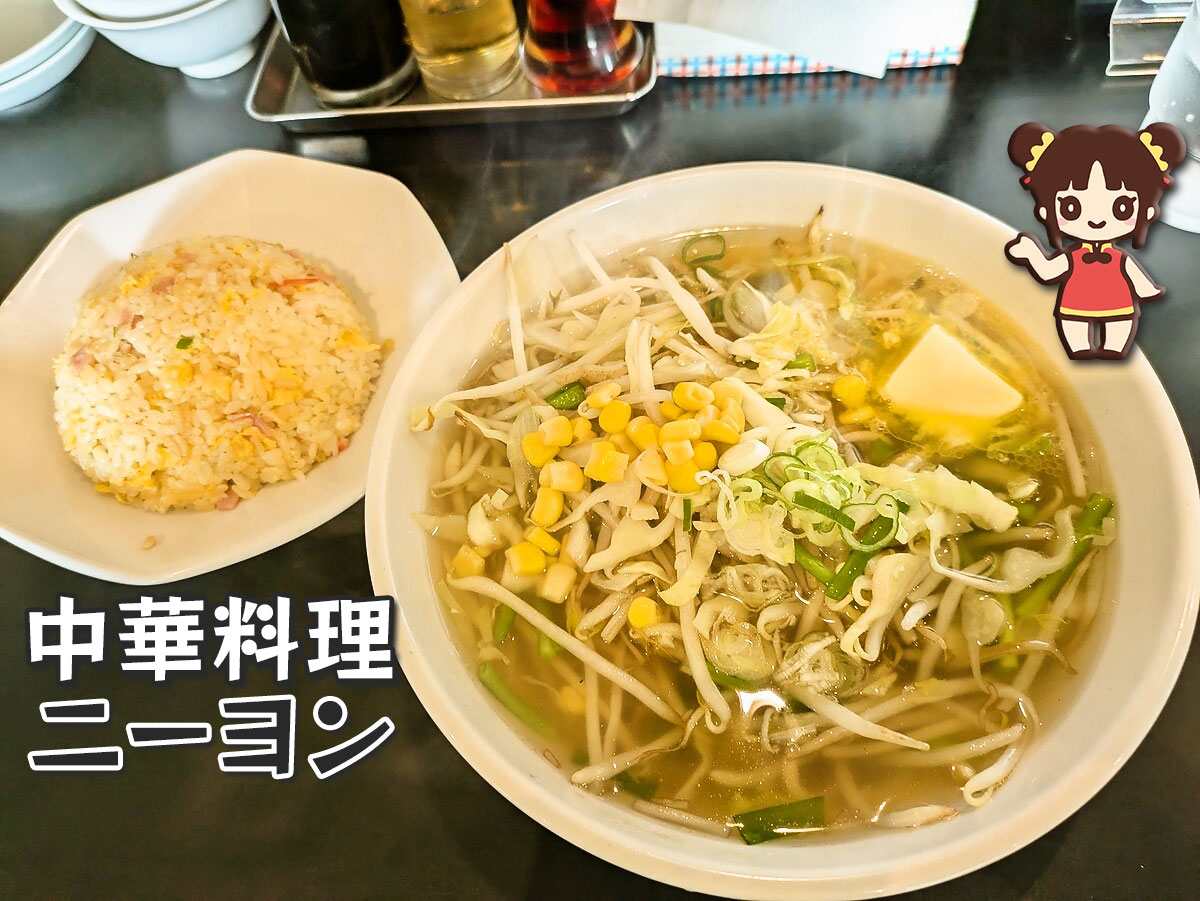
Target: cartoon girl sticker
{"points": [[1097, 186]]}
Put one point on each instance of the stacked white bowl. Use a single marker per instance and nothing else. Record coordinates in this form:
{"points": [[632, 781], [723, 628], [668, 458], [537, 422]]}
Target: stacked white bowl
{"points": [[39, 47], [202, 38]]}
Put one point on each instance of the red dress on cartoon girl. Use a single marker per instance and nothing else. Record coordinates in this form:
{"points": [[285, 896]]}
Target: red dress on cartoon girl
{"points": [[1098, 186]]}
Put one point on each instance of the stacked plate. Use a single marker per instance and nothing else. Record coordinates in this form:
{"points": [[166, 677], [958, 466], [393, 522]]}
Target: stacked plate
{"points": [[39, 47]]}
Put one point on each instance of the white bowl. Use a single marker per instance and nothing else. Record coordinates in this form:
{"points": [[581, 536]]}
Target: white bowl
{"points": [[366, 227], [206, 41], [127, 10], [31, 31], [50, 71], [1136, 648]]}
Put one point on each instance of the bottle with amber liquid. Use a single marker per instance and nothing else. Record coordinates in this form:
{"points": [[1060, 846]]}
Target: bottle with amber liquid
{"points": [[577, 47]]}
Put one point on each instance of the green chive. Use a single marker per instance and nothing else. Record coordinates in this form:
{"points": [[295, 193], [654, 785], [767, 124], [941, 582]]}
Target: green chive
{"points": [[1087, 526], [644, 787], [784, 819], [505, 615], [780, 402], [505, 695], [568, 397], [184, 343], [814, 564], [803, 361], [687, 514], [716, 309]]}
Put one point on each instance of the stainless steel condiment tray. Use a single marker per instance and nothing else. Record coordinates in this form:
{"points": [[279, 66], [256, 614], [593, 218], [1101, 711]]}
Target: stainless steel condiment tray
{"points": [[279, 94]]}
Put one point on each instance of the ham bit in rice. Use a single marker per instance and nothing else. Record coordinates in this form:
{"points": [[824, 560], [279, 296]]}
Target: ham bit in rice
{"points": [[163, 284], [343, 443], [253, 418], [229, 501], [80, 359], [182, 258]]}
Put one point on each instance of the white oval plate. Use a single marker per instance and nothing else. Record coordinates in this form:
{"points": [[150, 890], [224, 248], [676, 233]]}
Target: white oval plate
{"points": [[366, 227], [1096, 720]]}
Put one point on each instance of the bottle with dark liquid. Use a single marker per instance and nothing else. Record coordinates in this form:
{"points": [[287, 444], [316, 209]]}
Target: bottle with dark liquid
{"points": [[351, 52], [577, 47]]}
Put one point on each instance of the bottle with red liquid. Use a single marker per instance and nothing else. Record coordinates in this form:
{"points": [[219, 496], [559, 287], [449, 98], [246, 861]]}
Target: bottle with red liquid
{"points": [[577, 47]]}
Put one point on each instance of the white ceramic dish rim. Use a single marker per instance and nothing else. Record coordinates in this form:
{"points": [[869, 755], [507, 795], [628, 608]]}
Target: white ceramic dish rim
{"points": [[613, 838], [54, 69], [437, 279], [32, 57], [81, 14]]}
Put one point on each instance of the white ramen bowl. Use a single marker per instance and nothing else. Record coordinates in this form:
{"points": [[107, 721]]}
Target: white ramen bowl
{"points": [[1094, 721]]}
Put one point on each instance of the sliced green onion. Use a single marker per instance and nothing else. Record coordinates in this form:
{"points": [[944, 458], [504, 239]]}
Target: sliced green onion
{"points": [[780, 402], [505, 695], [814, 564], [184, 343], [687, 514], [568, 397], [505, 615], [827, 510], [716, 309], [1088, 524], [783, 819], [803, 361], [703, 248]]}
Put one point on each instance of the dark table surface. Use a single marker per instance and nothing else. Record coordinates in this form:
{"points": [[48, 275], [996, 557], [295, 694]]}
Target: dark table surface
{"points": [[414, 819]]}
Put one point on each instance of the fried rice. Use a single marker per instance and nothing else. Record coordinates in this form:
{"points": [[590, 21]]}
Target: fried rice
{"points": [[206, 369]]}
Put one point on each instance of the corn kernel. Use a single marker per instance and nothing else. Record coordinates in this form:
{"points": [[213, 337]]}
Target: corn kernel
{"points": [[581, 428], [692, 396], [525, 559], [855, 415], [643, 612], [467, 562], [707, 413], [536, 450], [642, 432], [556, 431], [650, 467], [670, 410], [557, 583], [705, 455], [681, 477], [720, 430], [678, 451], [724, 392], [571, 700], [615, 416], [685, 430], [851, 390], [734, 415], [622, 443], [562, 475], [603, 395], [547, 507], [543, 540], [606, 464]]}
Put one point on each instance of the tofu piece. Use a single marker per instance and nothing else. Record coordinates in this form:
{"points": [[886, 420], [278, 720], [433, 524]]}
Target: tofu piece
{"points": [[942, 377]]}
